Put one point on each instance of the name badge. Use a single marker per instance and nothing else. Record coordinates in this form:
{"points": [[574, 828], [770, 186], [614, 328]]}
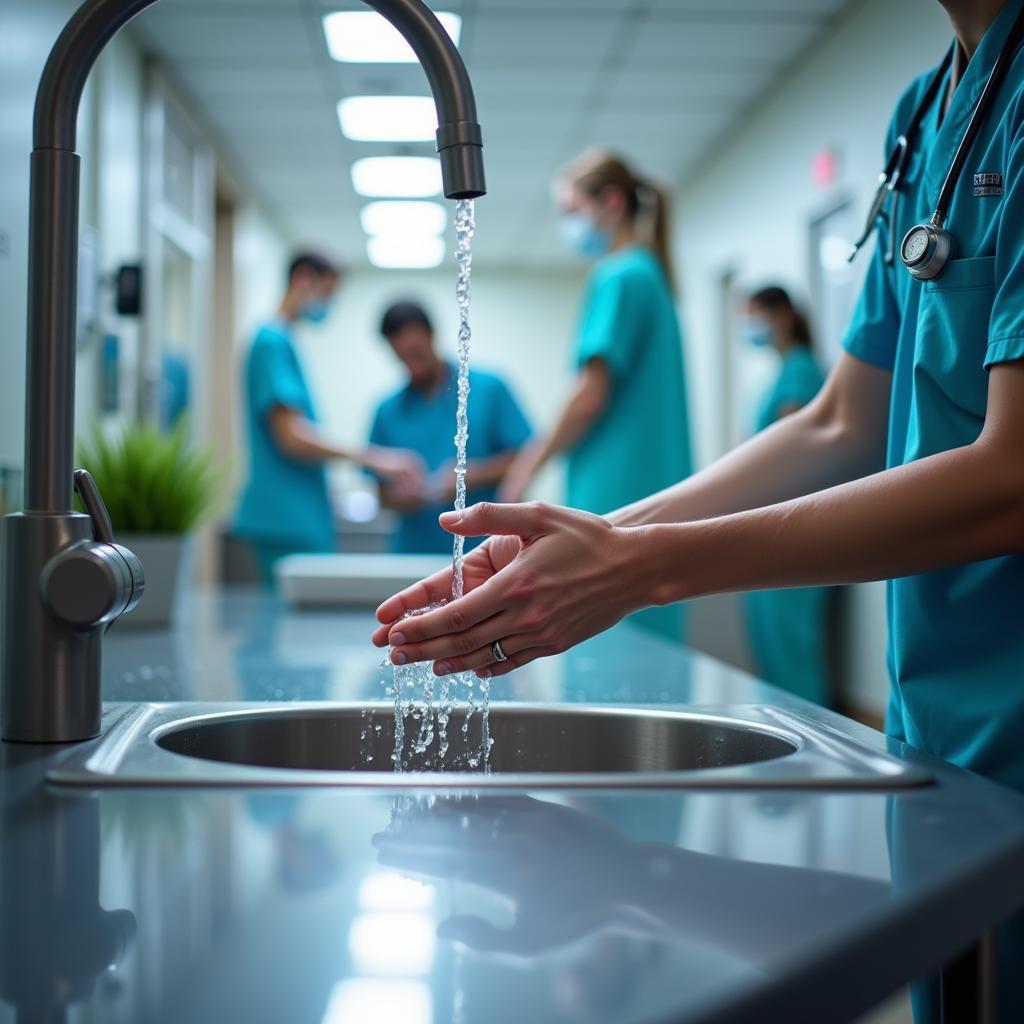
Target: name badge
{"points": [[988, 183]]}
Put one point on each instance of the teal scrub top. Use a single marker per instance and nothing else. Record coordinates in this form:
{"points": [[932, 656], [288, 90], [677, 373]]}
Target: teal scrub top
{"points": [[425, 424], [799, 379], [641, 442], [956, 636], [285, 500], [786, 628]]}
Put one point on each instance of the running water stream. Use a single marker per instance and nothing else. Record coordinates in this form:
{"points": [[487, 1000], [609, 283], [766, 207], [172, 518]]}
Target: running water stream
{"points": [[413, 686], [464, 228]]}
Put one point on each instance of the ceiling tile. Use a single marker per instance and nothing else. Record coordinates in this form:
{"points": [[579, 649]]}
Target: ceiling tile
{"points": [[268, 35], [659, 79], [516, 40], [675, 40]]}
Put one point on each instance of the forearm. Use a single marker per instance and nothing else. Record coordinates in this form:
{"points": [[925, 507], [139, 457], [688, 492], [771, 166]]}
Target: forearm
{"points": [[839, 436], [301, 440], [679, 891], [796, 456], [953, 508], [490, 471], [575, 422]]}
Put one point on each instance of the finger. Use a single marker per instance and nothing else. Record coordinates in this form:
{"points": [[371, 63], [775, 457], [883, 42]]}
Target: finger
{"points": [[527, 520], [483, 657], [380, 636], [462, 649], [434, 588], [502, 668], [480, 604], [478, 934]]}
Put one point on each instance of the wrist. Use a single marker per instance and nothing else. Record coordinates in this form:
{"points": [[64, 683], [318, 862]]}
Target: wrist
{"points": [[673, 559]]}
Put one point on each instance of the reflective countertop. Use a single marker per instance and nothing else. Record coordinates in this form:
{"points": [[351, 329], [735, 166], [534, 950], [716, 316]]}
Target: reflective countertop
{"points": [[352, 906]]}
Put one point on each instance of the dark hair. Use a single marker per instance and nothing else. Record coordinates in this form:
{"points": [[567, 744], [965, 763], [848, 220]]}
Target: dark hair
{"points": [[594, 171], [317, 262], [774, 298], [400, 315]]}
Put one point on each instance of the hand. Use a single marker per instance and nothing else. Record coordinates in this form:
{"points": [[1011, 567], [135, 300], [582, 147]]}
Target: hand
{"points": [[404, 470], [564, 870], [478, 567], [440, 488], [517, 477], [573, 575]]}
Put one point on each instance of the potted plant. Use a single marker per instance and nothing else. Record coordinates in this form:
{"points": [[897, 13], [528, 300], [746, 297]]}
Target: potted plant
{"points": [[157, 486]]}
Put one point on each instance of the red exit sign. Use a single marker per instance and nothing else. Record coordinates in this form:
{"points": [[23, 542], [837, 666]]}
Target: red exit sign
{"points": [[825, 167]]}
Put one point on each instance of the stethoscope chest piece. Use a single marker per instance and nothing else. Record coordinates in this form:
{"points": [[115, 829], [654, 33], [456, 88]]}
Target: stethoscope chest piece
{"points": [[926, 249]]}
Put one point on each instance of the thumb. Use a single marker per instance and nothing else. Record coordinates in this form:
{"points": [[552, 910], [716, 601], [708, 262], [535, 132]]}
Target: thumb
{"points": [[474, 932], [486, 517]]}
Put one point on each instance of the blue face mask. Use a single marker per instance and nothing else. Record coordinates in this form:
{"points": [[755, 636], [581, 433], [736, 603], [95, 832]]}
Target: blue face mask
{"points": [[582, 236], [756, 332], [314, 312]]}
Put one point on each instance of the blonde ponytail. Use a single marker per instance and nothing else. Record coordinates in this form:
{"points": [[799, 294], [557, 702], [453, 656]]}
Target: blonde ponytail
{"points": [[647, 204]]}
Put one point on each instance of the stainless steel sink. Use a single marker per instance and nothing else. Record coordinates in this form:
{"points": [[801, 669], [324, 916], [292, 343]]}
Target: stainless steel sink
{"points": [[535, 746]]}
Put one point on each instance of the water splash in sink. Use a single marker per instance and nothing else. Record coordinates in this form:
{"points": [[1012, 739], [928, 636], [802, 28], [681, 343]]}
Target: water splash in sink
{"points": [[424, 702]]}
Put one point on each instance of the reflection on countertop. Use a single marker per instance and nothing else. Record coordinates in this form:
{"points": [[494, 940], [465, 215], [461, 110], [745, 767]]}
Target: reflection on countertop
{"points": [[351, 906]]}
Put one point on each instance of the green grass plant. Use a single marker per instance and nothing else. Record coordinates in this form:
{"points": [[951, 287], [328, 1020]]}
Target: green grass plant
{"points": [[152, 481]]}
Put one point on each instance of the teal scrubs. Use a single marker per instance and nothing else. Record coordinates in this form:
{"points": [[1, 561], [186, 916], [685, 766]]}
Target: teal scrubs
{"points": [[956, 636], [425, 424], [285, 507], [641, 442], [787, 627]]}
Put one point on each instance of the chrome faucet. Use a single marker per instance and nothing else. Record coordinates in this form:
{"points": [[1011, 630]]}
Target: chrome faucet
{"points": [[65, 581]]}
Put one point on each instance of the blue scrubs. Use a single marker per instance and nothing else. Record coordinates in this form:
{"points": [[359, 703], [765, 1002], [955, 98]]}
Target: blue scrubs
{"points": [[285, 506], [956, 639], [641, 442], [425, 424], [787, 627]]}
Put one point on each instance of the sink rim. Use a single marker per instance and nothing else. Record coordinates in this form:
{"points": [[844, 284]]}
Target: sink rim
{"points": [[127, 755], [461, 777]]}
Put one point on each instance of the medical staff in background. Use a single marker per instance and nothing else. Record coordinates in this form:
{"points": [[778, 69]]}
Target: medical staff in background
{"points": [[624, 428], [285, 506], [786, 628], [906, 467], [420, 417]]}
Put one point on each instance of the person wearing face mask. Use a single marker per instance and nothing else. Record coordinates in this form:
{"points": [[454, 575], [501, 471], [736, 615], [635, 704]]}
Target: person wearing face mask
{"points": [[624, 428], [285, 507], [786, 628], [419, 417]]}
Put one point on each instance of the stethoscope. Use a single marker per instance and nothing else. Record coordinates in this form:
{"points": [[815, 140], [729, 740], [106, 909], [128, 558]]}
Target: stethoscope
{"points": [[927, 248]]}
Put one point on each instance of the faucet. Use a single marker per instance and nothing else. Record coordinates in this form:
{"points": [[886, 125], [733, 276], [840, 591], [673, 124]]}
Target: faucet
{"points": [[65, 580]]}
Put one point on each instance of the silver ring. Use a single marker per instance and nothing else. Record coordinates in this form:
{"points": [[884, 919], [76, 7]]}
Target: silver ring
{"points": [[499, 654]]}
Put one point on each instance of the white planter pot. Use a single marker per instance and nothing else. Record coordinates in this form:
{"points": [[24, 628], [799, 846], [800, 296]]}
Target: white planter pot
{"points": [[162, 556]]}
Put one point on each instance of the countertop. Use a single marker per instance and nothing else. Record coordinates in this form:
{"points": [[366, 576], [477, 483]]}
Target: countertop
{"points": [[355, 907]]}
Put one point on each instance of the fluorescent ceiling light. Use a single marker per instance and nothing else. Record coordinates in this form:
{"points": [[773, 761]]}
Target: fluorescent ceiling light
{"points": [[413, 177], [388, 118], [388, 890], [366, 37], [380, 1001], [392, 943], [399, 218], [405, 252]]}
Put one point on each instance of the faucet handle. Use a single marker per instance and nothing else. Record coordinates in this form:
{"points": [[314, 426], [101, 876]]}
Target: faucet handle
{"points": [[92, 502]]}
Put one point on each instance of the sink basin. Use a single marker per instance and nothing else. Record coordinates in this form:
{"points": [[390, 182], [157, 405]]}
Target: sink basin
{"points": [[535, 746], [526, 740]]}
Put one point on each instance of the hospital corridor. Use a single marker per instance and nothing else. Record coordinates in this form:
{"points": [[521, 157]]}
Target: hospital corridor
{"points": [[512, 511]]}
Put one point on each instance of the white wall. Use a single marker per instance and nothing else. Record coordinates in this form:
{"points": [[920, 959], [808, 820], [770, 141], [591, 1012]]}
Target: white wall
{"points": [[750, 208], [522, 329], [26, 34], [110, 142]]}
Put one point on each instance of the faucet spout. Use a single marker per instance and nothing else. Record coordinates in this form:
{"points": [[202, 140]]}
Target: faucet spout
{"points": [[56, 663]]}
